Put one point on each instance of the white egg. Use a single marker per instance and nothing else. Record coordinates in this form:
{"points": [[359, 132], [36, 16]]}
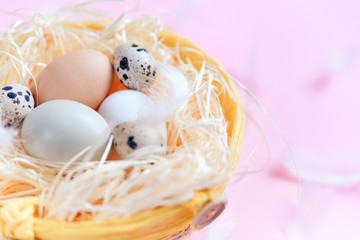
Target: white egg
{"points": [[132, 136], [134, 66], [129, 106], [16, 103], [58, 130]]}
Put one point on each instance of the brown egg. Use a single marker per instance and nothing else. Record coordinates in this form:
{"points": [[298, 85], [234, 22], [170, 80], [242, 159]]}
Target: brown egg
{"points": [[83, 76]]}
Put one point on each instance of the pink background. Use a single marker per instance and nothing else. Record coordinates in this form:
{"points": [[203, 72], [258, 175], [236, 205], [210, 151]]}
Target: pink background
{"points": [[301, 60]]}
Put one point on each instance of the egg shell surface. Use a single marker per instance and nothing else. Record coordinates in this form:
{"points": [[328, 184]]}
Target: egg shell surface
{"points": [[16, 102], [131, 136], [134, 66], [127, 106], [83, 76], [58, 130]]}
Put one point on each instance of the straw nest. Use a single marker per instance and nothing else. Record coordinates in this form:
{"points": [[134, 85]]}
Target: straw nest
{"points": [[204, 134]]}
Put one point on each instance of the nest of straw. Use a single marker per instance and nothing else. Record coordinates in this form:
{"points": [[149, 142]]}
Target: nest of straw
{"points": [[201, 153]]}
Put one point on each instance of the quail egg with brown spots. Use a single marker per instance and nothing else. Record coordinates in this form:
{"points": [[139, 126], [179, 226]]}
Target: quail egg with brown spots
{"points": [[16, 102], [132, 136], [134, 66]]}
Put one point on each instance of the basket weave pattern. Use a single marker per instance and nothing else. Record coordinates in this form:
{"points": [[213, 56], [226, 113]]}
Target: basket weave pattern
{"points": [[19, 220]]}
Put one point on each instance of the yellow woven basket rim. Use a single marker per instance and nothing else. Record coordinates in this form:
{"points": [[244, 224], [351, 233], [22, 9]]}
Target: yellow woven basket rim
{"points": [[155, 224]]}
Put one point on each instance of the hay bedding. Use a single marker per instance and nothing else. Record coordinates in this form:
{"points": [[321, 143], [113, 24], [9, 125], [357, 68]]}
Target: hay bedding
{"points": [[198, 143]]}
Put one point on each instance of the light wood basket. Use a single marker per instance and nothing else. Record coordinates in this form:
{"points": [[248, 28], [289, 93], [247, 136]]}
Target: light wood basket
{"points": [[19, 220]]}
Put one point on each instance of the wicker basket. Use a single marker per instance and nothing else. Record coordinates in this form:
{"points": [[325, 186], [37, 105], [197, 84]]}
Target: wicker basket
{"points": [[19, 220]]}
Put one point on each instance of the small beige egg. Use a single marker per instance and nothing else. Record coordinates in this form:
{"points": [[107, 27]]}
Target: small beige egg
{"points": [[134, 66], [16, 102], [131, 136], [84, 76]]}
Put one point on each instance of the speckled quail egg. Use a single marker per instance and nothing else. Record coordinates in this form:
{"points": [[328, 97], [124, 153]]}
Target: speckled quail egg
{"points": [[131, 136], [16, 102], [134, 66]]}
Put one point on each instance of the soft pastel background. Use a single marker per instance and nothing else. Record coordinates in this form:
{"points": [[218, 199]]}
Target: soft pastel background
{"points": [[301, 58]]}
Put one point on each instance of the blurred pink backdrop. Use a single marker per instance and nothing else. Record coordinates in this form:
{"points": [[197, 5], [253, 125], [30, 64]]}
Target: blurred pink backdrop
{"points": [[301, 60]]}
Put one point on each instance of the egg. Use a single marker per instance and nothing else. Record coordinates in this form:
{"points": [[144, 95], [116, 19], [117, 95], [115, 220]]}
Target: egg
{"points": [[129, 105], [131, 136], [123, 106], [134, 66], [83, 76], [16, 103], [58, 130]]}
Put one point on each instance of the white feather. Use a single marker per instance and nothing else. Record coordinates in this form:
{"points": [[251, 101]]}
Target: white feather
{"points": [[179, 84], [169, 93], [7, 134]]}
